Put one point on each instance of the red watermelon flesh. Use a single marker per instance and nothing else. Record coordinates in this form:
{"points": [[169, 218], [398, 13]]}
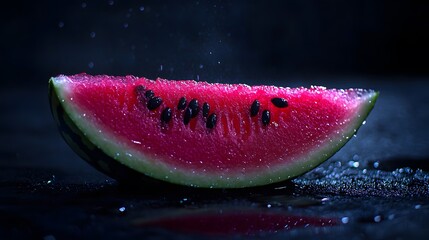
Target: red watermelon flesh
{"points": [[239, 150]]}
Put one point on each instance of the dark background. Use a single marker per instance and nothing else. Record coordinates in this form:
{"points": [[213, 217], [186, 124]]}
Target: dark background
{"points": [[375, 187], [227, 41]]}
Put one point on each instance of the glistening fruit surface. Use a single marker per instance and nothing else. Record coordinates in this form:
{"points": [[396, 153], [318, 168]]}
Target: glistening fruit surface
{"points": [[239, 150]]}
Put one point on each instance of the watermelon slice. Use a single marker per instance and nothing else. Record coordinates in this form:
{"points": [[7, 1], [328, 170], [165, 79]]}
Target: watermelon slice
{"points": [[203, 135]]}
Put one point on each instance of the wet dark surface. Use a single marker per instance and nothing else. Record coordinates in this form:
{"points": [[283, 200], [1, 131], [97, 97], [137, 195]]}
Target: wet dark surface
{"points": [[376, 187]]}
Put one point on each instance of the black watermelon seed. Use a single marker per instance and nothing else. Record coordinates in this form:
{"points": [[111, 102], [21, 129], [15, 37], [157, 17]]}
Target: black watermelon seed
{"points": [[254, 109], [211, 121], [187, 116], [182, 103], [166, 115], [265, 117], [140, 89], [279, 102], [193, 104], [206, 109], [154, 103], [149, 94]]}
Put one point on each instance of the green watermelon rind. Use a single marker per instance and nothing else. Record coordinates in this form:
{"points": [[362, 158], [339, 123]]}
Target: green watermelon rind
{"points": [[116, 159]]}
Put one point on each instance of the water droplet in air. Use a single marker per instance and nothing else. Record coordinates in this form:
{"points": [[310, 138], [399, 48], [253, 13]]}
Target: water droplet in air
{"points": [[364, 122], [111, 2], [125, 25], [418, 206], [345, 220], [161, 67], [218, 62], [201, 66], [61, 24], [122, 209], [141, 8], [91, 65], [83, 5], [92, 34]]}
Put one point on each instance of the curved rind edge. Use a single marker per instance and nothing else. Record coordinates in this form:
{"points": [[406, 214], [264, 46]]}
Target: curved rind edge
{"points": [[74, 137], [130, 171]]}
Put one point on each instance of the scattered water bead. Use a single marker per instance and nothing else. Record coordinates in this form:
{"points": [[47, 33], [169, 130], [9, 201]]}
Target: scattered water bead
{"points": [[376, 164], [377, 218]]}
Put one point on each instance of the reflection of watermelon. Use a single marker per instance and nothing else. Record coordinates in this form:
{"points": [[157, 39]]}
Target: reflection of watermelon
{"points": [[204, 135], [230, 222]]}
